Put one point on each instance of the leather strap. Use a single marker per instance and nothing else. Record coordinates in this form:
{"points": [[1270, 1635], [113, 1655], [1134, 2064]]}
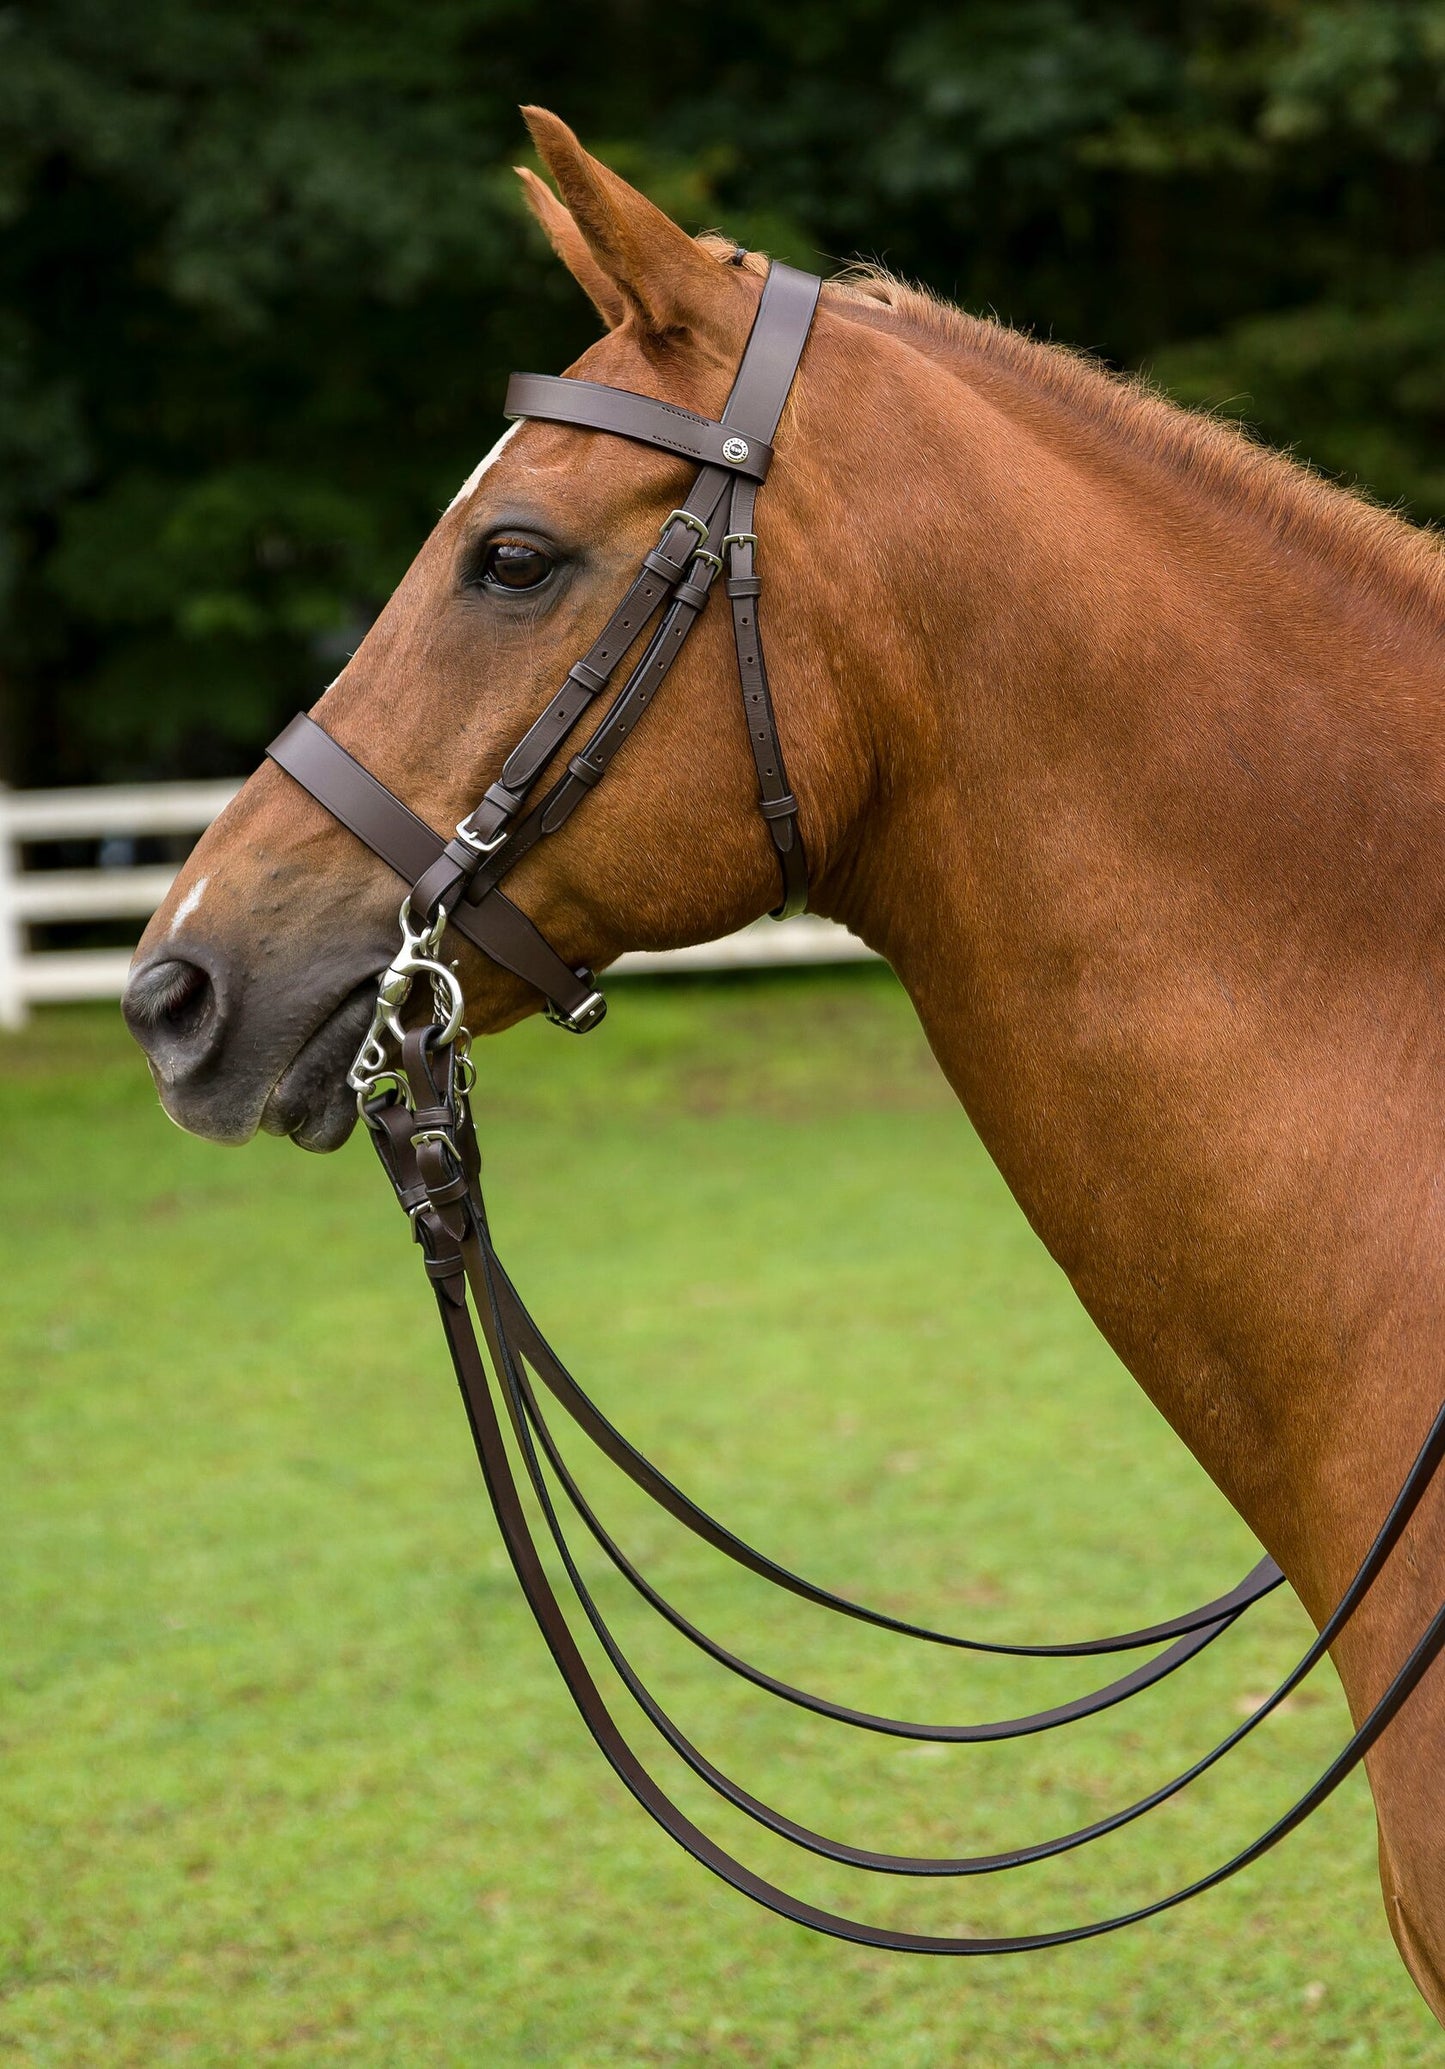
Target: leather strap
{"points": [[480, 1269], [367, 808], [523, 1332], [779, 806], [765, 378], [950, 1866], [431, 1159], [1078, 1707], [802, 1835], [586, 769], [350, 793], [557, 399], [480, 843], [770, 358]]}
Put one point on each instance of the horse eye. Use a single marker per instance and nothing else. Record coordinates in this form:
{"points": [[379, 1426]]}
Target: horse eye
{"points": [[514, 564]]}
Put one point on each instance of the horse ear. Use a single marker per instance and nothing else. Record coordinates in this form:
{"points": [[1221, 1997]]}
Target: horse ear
{"points": [[571, 248], [663, 280]]}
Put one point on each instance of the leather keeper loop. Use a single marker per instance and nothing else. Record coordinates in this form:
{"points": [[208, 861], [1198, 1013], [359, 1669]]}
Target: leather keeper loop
{"points": [[779, 807], [691, 593], [448, 1194], [583, 770], [454, 867], [461, 853], [587, 677], [503, 801], [744, 585], [671, 571]]}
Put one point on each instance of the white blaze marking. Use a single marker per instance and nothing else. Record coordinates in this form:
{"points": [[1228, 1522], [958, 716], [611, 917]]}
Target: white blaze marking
{"points": [[189, 903], [468, 487]]}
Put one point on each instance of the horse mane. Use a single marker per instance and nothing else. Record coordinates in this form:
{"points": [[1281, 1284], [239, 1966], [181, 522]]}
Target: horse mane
{"points": [[1363, 541]]}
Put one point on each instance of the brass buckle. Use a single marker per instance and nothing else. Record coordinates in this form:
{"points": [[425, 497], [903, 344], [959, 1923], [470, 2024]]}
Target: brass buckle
{"points": [[686, 517]]}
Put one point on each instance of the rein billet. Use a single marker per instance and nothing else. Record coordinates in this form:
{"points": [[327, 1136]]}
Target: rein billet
{"points": [[413, 1084]]}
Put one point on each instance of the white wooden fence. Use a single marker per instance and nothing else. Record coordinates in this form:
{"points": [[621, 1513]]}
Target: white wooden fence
{"points": [[30, 896]]}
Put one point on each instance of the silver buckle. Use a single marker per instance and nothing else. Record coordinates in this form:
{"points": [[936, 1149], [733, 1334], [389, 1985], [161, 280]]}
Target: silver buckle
{"points": [[480, 847], [582, 1021], [444, 1137]]}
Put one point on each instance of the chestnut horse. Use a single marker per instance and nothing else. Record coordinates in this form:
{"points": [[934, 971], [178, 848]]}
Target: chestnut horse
{"points": [[1120, 738]]}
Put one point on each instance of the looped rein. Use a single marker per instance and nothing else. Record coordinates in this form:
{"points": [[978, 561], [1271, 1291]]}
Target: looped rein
{"points": [[428, 1147], [418, 1115]]}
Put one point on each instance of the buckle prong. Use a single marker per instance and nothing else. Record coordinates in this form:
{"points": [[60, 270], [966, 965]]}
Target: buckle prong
{"points": [[477, 845]]}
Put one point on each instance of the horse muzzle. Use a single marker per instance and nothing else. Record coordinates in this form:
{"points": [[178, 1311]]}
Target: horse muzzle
{"points": [[230, 1053]]}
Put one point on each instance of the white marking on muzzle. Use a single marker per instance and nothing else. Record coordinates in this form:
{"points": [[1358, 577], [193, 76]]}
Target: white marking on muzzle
{"points": [[189, 903], [468, 487]]}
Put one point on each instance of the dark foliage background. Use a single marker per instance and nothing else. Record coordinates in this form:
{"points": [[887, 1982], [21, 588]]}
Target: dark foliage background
{"points": [[263, 270]]}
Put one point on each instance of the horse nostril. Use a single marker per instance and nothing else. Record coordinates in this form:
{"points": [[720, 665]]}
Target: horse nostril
{"points": [[167, 1005]]}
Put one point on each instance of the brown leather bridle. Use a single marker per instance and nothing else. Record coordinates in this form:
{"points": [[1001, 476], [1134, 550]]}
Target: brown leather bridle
{"points": [[715, 522], [412, 1088]]}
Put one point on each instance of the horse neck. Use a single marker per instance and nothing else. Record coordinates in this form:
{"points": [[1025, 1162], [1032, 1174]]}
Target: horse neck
{"points": [[1153, 842]]}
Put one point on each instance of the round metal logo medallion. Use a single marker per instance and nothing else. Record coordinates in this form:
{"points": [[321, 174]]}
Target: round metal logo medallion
{"points": [[735, 448]]}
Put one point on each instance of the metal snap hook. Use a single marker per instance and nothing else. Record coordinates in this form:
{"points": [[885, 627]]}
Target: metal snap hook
{"points": [[416, 957]]}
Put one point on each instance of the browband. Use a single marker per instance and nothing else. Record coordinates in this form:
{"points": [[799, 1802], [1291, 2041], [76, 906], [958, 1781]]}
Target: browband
{"points": [[711, 528], [562, 401]]}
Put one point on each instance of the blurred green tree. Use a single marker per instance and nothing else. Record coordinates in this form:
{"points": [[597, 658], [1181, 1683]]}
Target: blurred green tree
{"points": [[263, 271]]}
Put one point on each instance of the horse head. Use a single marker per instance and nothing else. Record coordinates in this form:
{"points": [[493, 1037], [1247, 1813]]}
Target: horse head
{"points": [[254, 981]]}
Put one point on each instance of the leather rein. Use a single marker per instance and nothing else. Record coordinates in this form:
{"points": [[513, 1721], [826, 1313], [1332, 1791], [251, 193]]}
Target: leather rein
{"points": [[412, 1085]]}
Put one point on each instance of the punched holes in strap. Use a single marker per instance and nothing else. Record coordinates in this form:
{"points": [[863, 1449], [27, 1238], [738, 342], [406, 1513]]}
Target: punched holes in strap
{"points": [[776, 801]]}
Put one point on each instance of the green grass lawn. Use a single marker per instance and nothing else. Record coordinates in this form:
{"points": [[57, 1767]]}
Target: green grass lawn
{"points": [[285, 1774]]}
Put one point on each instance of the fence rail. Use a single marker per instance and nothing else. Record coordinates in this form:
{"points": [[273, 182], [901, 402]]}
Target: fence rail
{"points": [[31, 896]]}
